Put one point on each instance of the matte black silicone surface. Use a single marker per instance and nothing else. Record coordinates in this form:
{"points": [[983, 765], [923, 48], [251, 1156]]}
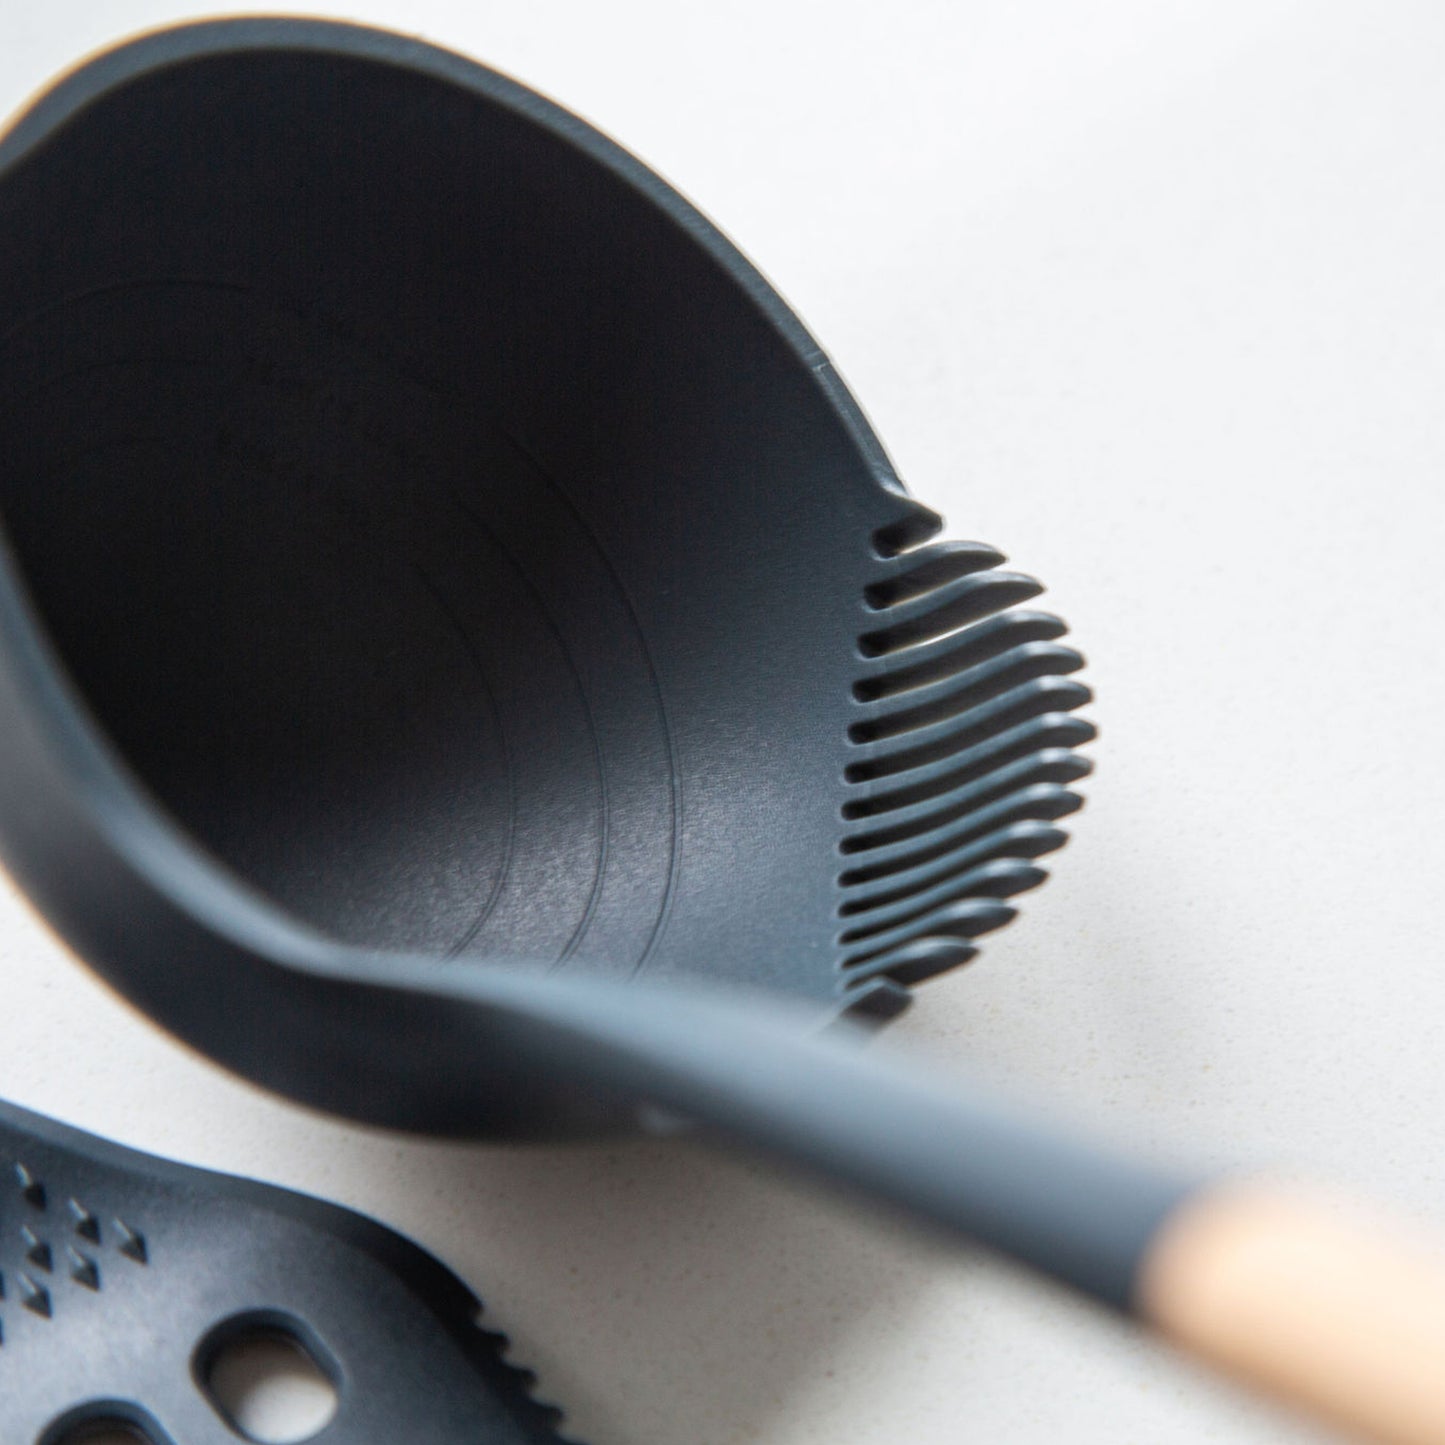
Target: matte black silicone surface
{"points": [[121, 1271], [429, 547], [460, 541]]}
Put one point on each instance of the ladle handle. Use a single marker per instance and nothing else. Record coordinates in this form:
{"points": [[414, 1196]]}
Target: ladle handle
{"points": [[1311, 1301], [1340, 1315]]}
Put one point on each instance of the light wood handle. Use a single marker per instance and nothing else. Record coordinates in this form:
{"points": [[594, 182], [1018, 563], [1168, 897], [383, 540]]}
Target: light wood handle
{"points": [[1311, 1301]]}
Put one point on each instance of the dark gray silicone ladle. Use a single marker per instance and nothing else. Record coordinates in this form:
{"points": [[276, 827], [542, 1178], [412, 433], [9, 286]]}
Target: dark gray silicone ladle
{"points": [[429, 547]]}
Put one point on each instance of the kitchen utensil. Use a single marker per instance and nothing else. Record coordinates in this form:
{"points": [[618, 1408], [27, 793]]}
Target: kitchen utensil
{"points": [[452, 610], [128, 1279]]}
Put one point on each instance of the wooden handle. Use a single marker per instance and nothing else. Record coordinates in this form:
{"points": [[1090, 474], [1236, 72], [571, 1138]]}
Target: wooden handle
{"points": [[1312, 1302]]}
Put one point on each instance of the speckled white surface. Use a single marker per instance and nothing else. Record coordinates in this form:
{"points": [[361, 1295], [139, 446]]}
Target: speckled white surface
{"points": [[1151, 294]]}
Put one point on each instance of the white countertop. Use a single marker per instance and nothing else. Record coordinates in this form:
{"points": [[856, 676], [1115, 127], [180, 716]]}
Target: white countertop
{"points": [[1152, 296]]}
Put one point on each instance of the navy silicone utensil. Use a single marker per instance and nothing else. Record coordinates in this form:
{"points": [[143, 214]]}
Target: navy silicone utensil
{"points": [[463, 549], [452, 612], [426, 535], [478, 558], [127, 1279], [431, 537]]}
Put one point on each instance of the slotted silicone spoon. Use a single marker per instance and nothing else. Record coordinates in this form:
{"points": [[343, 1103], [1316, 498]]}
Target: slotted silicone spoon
{"points": [[429, 544], [130, 1282]]}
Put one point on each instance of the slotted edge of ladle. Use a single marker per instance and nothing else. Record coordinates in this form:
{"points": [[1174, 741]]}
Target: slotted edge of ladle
{"points": [[961, 759]]}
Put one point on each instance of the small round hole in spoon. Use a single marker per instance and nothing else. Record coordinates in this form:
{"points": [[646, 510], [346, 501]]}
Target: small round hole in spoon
{"points": [[264, 1383]]}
